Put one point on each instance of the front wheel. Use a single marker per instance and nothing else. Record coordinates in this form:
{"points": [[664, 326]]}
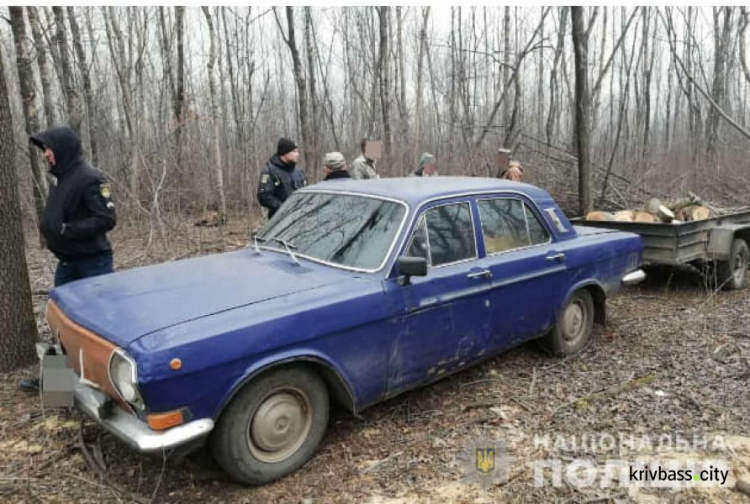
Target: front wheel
{"points": [[273, 426], [573, 326]]}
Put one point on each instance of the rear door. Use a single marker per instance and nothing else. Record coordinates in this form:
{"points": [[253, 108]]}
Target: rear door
{"points": [[529, 273]]}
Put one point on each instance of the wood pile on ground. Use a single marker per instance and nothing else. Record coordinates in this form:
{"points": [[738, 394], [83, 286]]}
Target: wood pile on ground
{"points": [[211, 218], [688, 208]]}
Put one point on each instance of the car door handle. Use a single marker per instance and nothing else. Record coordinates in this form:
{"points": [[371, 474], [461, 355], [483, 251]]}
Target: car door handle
{"points": [[556, 257], [480, 274]]}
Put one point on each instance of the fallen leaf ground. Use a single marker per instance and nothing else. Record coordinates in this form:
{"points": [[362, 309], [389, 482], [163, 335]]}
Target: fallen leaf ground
{"points": [[674, 359]]}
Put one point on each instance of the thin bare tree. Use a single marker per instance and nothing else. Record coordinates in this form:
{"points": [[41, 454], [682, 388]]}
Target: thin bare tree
{"points": [[215, 146], [583, 103], [299, 78], [30, 112]]}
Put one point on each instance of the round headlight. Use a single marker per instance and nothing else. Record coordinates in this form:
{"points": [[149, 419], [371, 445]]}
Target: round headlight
{"points": [[122, 372]]}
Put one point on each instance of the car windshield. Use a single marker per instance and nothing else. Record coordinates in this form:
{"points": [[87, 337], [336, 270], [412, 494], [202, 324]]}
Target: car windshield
{"points": [[351, 231]]}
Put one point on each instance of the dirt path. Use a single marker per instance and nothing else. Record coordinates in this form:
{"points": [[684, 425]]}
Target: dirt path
{"points": [[671, 361]]}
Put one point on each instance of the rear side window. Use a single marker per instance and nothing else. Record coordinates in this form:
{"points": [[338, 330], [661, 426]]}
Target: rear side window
{"points": [[444, 235], [508, 223]]}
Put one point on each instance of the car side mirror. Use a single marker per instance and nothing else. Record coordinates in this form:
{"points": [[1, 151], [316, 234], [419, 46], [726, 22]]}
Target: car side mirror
{"points": [[409, 267]]}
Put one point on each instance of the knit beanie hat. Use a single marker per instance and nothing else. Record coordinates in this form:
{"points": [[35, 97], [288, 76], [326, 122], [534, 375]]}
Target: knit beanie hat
{"points": [[285, 146]]}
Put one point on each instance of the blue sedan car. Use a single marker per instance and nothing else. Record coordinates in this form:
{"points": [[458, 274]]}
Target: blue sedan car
{"points": [[354, 292]]}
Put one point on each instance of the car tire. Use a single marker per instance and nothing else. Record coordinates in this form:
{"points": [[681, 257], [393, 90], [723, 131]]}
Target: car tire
{"points": [[731, 274], [573, 326], [273, 426]]}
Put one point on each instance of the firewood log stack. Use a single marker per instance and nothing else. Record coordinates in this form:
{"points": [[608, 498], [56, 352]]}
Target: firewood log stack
{"points": [[686, 209]]}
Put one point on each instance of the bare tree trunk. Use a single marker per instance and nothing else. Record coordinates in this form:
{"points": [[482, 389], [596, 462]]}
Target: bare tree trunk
{"points": [[554, 95], [383, 72], [696, 122], [647, 69], [506, 63], [166, 56], [180, 99], [44, 70], [540, 89], [299, 78], [30, 112], [624, 98], [433, 93], [667, 126], [215, 149], [580, 51], [75, 112], [141, 39], [721, 44], [313, 93], [16, 310], [741, 40], [223, 117], [238, 119], [50, 34], [326, 91], [403, 111], [420, 66], [83, 68], [123, 72]]}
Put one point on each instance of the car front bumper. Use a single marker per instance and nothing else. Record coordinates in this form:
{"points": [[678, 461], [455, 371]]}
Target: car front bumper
{"points": [[134, 432]]}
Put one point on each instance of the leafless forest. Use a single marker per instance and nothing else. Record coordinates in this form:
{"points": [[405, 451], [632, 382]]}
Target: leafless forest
{"points": [[183, 106]]}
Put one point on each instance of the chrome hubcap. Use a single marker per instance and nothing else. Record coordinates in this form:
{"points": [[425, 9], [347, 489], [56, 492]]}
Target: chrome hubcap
{"points": [[574, 322], [280, 425]]}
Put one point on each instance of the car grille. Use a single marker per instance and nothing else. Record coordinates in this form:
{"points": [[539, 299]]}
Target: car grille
{"points": [[87, 353]]}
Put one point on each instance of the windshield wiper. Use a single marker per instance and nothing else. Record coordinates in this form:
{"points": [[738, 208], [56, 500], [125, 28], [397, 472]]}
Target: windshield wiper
{"points": [[288, 246], [255, 243]]}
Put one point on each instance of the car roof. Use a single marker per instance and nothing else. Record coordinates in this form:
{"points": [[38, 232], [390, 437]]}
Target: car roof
{"points": [[415, 190]]}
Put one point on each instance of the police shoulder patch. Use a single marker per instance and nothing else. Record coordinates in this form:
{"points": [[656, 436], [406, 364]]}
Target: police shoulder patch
{"points": [[105, 190], [264, 178]]}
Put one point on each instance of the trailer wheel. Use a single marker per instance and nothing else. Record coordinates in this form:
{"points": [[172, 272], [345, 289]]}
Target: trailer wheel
{"points": [[731, 274]]}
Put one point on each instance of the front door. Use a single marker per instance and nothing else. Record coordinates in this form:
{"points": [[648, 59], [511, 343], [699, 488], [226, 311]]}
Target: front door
{"points": [[446, 317]]}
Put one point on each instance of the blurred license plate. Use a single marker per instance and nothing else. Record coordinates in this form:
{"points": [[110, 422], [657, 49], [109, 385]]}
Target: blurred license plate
{"points": [[58, 381]]}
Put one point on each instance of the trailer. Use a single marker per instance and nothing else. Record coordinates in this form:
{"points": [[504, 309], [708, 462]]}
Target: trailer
{"points": [[718, 244]]}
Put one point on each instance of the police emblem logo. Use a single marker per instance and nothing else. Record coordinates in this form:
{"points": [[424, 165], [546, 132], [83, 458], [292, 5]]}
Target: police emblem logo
{"points": [[485, 461], [264, 178], [105, 190]]}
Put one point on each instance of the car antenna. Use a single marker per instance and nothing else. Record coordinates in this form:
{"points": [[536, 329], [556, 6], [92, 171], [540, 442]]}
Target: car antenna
{"points": [[288, 248]]}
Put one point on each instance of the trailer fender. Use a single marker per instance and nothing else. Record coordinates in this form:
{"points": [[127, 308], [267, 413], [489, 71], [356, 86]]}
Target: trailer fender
{"points": [[721, 239]]}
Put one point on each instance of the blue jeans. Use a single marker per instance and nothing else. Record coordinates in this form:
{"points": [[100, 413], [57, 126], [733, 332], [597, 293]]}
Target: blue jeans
{"points": [[83, 267]]}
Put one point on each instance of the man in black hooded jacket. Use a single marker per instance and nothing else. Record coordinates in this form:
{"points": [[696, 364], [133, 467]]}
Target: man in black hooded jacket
{"points": [[281, 176], [79, 209], [77, 216]]}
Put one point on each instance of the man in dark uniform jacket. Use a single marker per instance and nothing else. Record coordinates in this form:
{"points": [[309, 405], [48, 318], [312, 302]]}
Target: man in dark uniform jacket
{"points": [[281, 176], [79, 209], [78, 213]]}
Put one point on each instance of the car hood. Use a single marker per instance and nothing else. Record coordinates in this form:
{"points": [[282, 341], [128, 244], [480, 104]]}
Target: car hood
{"points": [[127, 305]]}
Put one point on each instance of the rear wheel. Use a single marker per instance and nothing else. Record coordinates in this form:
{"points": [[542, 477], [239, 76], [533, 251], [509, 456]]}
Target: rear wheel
{"points": [[731, 274], [573, 327], [273, 426]]}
